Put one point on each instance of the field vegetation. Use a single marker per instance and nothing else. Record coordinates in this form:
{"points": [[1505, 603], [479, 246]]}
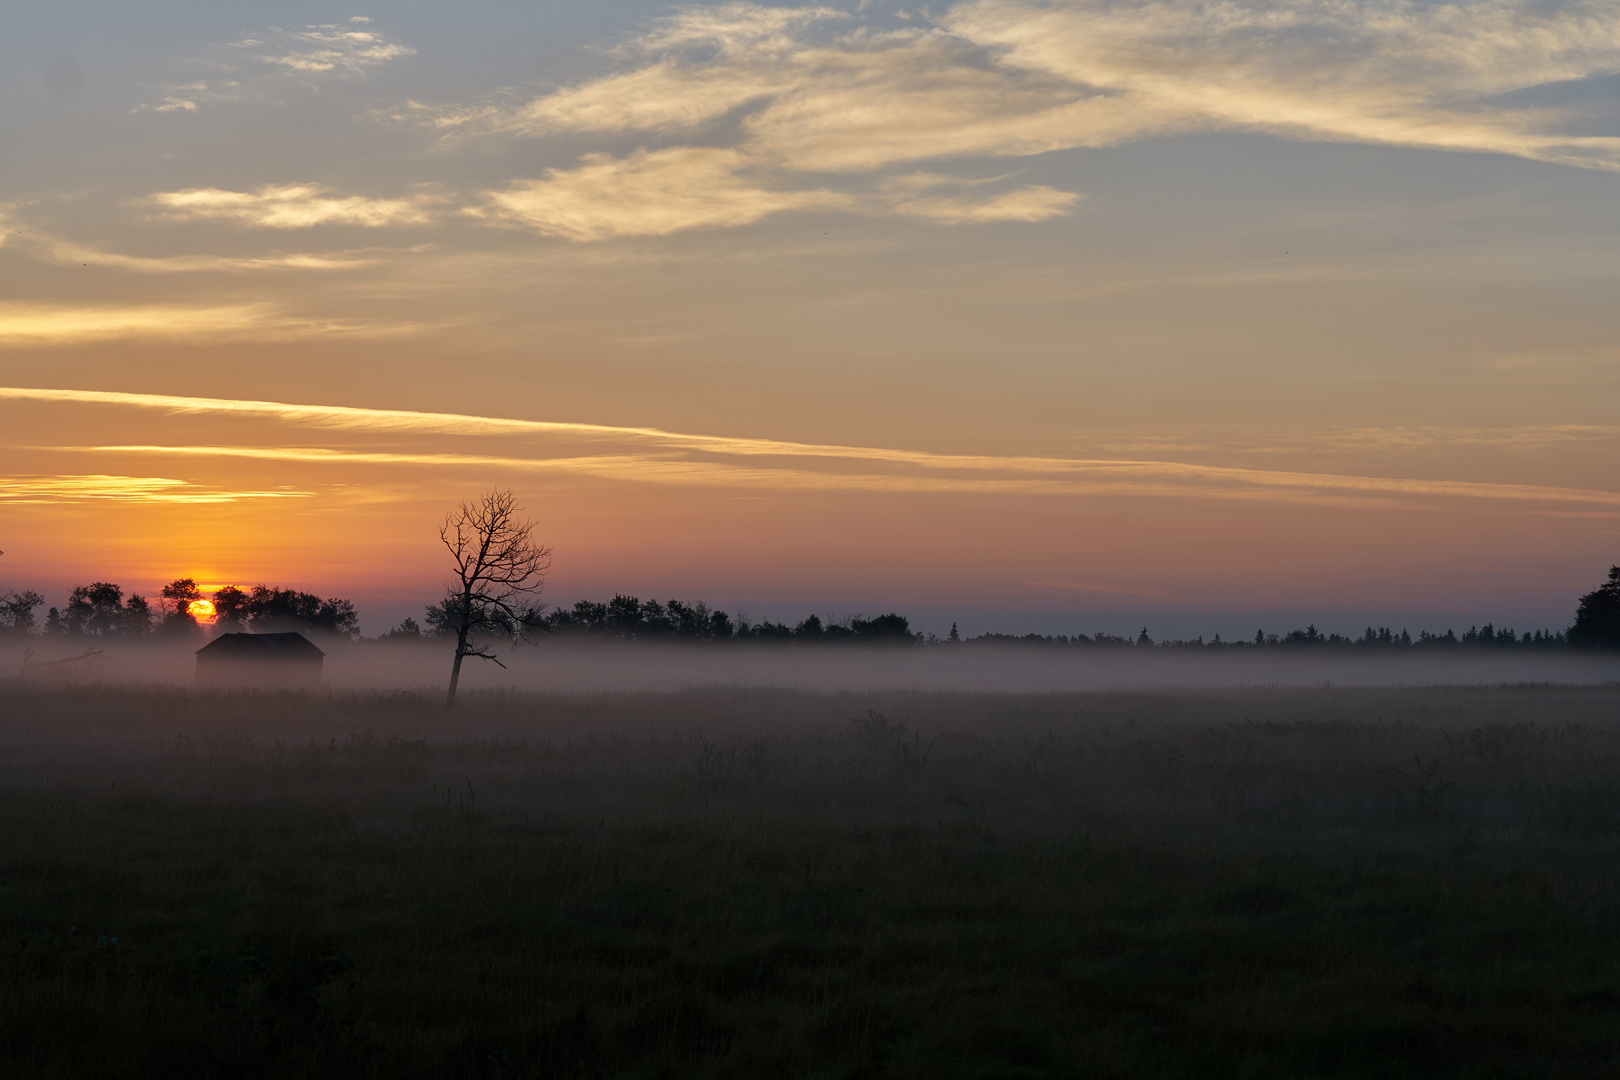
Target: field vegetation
{"points": [[744, 883]]}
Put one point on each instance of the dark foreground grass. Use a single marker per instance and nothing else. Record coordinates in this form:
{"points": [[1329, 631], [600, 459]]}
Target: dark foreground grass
{"points": [[748, 884]]}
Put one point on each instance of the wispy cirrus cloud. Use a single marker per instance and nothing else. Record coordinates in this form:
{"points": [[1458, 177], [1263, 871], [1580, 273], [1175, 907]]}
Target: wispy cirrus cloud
{"points": [[1520, 437], [35, 324], [31, 323], [126, 489], [797, 92], [648, 193], [192, 96], [289, 56], [750, 53], [326, 48], [1036, 202], [64, 252], [1523, 437], [1013, 77], [291, 206], [937, 473], [1404, 74], [655, 456]]}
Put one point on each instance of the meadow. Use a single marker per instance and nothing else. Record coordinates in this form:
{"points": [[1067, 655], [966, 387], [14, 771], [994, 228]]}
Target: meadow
{"points": [[738, 882]]}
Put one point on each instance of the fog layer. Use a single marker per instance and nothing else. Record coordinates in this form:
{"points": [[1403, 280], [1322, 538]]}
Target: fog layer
{"points": [[583, 667]]}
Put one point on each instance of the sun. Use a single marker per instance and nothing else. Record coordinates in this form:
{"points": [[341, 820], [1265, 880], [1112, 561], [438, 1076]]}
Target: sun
{"points": [[201, 610]]}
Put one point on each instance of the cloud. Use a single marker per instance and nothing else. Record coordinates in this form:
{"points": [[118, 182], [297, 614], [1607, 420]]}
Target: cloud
{"points": [[303, 54], [1525, 437], [1522, 437], [1034, 203], [733, 28], [1051, 476], [291, 206], [66, 253], [50, 324], [35, 324], [102, 488], [652, 455], [648, 193], [325, 48], [192, 96], [750, 48], [999, 78], [1371, 71]]}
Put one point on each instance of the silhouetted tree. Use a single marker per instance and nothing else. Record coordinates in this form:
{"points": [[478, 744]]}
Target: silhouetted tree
{"points": [[99, 610], [623, 617], [272, 610], [230, 608], [1488, 637], [442, 619], [500, 568], [696, 621], [655, 620], [93, 609], [266, 610], [17, 611], [883, 628], [137, 615], [407, 630], [1597, 620], [179, 594], [177, 597]]}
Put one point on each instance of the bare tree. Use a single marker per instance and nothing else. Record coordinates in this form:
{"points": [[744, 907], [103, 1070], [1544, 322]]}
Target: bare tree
{"points": [[500, 569]]}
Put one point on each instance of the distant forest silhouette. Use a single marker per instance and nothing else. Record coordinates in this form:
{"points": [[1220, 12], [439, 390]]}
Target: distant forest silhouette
{"points": [[101, 610]]}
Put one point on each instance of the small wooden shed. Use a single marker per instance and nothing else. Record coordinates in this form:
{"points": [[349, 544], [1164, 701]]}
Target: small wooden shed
{"points": [[262, 660]]}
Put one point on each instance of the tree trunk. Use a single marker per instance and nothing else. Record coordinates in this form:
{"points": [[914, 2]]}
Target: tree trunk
{"points": [[463, 628], [455, 671]]}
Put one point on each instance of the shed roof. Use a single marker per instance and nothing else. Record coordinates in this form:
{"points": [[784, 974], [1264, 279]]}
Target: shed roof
{"points": [[262, 646]]}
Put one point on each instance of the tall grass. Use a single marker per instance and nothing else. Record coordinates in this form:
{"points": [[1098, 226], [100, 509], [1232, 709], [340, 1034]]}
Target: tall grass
{"points": [[758, 883]]}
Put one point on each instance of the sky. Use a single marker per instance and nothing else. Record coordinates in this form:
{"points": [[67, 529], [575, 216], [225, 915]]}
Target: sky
{"points": [[1032, 316]]}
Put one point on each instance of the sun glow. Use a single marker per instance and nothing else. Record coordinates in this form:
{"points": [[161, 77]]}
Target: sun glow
{"points": [[201, 610]]}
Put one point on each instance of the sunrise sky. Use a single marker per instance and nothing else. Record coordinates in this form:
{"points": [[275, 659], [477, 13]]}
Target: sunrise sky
{"points": [[1034, 316]]}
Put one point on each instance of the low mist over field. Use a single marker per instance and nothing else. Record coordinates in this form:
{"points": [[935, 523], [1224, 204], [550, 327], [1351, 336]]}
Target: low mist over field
{"points": [[574, 666]]}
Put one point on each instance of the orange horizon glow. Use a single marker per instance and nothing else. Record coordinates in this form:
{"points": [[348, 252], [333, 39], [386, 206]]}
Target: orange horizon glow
{"points": [[1376, 521]]}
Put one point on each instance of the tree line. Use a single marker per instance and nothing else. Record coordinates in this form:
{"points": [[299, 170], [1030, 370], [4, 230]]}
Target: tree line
{"points": [[629, 618], [1383, 638], [102, 610]]}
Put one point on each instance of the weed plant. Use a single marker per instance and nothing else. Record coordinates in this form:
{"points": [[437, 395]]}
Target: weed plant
{"points": [[750, 883]]}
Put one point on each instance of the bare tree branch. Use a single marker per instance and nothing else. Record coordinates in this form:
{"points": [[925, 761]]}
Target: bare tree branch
{"points": [[500, 570]]}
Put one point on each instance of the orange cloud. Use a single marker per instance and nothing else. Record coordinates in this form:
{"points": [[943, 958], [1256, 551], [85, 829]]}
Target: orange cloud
{"points": [[154, 489], [654, 456]]}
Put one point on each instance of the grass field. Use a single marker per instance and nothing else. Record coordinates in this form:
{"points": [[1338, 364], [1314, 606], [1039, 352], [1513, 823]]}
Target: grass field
{"points": [[753, 883]]}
